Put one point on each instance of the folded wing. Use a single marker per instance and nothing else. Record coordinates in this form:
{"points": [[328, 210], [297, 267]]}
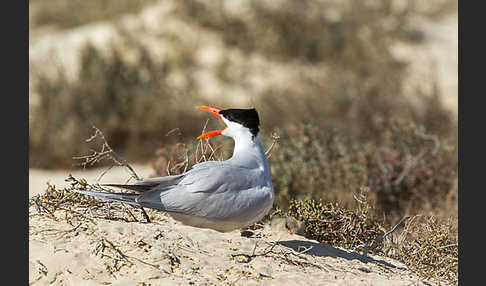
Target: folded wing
{"points": [[211, 191]]}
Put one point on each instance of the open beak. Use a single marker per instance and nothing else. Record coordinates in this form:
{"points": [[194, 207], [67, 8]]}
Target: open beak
{"points": [[215, 111]]}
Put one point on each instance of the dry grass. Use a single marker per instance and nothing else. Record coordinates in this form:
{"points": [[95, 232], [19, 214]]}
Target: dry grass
{"points": [[61, 204], [428, 245]]}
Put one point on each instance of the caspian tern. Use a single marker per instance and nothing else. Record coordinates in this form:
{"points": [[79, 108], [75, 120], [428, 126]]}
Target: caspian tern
{"points": [[220, 195]]}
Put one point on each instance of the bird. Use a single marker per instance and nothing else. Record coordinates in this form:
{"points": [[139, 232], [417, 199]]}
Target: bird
{"points": [[219, 195]]}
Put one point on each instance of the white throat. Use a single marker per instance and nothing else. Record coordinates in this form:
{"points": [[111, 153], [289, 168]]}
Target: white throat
{"points": [[248, 151]]}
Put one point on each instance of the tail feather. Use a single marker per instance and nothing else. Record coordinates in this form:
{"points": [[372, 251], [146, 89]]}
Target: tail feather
{"points": [[137, 188], [118, 197]]}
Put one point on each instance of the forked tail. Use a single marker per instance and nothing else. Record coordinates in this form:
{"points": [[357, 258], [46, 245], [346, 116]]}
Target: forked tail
{"points": [[118, 197]]}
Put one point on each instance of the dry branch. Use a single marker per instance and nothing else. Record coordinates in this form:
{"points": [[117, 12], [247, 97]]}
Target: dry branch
{"points": [[106, 152]]}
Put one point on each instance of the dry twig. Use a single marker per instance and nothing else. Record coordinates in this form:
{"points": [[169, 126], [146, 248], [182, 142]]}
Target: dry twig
{"points": [[106, 152], [275, 140], [282, 253]]}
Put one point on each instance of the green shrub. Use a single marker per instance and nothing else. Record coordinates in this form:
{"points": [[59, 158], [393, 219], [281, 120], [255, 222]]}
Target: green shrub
{"points": [[333, 224]]}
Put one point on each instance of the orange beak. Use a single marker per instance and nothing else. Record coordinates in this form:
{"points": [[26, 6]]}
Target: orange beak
{"points": [[215, 111]]}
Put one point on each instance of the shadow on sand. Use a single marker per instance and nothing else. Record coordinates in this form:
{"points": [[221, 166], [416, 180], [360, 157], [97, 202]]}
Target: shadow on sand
{"points": [[324, 249]]}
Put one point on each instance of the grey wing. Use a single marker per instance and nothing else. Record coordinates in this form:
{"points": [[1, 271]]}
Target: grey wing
{"points": [[160, 182], [215, 190], [163, 183]]}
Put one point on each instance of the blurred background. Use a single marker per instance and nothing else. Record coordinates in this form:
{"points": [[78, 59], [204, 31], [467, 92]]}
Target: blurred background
{"points": [[362, 94]]}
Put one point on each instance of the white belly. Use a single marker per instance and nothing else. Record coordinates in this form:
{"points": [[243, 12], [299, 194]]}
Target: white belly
{"points": [[242, 218]]}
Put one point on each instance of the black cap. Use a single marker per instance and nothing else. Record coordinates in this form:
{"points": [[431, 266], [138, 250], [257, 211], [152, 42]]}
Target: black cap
{"points": [[246, 117]]}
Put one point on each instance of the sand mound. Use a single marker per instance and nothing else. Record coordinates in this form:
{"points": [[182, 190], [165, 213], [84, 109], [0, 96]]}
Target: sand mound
{"points": [[100, 251]]}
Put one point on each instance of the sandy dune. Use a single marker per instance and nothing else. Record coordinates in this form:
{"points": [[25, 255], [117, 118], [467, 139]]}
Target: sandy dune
{"points": [[165, 252]]}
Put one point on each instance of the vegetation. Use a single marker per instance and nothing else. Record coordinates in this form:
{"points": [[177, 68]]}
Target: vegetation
{"points": [[426, 244]]}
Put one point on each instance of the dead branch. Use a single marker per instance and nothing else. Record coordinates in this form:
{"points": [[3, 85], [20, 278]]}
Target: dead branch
{"points": [[283, 254], [106, 152], [123, 255]]}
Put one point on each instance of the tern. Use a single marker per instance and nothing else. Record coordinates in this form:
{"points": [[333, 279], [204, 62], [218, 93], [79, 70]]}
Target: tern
{"points": [[219, 195]]}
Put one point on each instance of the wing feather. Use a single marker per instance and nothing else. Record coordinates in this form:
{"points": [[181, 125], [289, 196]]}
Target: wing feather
{"points": [[206, 190], [149, 184]]}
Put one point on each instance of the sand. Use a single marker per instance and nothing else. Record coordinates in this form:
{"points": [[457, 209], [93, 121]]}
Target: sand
{"points": [[165, 252]]}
